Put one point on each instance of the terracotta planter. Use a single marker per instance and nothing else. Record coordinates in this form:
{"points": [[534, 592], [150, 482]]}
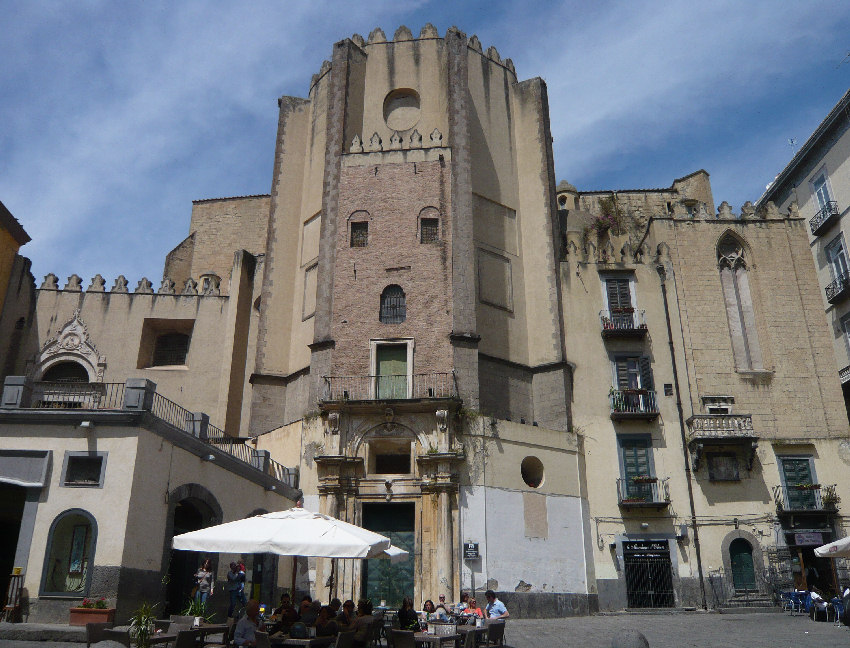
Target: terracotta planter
{"points": [[82, 616]]}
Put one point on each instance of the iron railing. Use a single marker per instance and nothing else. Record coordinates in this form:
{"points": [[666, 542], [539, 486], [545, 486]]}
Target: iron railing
{"points": [[820, 219], [234, 446], [720, 426], [643, 491], [283, 473], [172, 413], [622, 321], [73, 395], [837, 288], [390, 387], [805, 497], [633, 403]]}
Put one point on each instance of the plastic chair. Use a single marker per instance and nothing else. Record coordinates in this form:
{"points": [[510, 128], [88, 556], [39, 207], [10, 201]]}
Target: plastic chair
{"points": [[121, 636], [495, 632], [837, 608], [402, 639]]}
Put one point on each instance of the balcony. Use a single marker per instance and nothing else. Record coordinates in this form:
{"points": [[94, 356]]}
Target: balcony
{"points": [[623, 323], [425, 386], [633, 404], [643, 491], [838, 289], [721, 430], [799, 499], [824, 218], [134, 397]]}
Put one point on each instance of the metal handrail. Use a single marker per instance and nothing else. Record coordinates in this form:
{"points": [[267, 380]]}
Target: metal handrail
{"points": [[837, 287], [824, 214], [623, 319], [633, 401], [74, 395], [637, 491], [172, 413], [808, 497], [390, 387]]}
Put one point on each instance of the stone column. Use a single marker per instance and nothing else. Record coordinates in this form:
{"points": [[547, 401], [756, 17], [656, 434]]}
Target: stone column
{"points": [[445, 546]]}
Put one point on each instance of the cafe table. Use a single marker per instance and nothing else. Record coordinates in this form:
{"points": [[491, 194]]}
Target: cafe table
{"points": [[311, 642], [434, 640]]}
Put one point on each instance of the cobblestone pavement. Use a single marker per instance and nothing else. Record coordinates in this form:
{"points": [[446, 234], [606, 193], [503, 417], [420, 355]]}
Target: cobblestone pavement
{"points": [[677, 630], [680, 630]]}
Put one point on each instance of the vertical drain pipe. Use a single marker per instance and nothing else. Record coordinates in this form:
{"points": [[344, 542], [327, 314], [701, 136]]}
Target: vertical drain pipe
{"points": [[662, 273]]}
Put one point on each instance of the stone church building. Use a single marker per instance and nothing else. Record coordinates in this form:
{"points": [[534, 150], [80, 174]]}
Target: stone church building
{"points": [[582, 400]]}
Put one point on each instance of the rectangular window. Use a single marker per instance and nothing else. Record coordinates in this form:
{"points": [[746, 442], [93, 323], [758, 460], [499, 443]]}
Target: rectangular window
{"points": [[392, 464], [798, 472], [634, 373], [84, 469], [837, 257], [722, 466], [429, 230], [165, 342], [618, 293], [637, 465], [820, 188], [359, 234]]}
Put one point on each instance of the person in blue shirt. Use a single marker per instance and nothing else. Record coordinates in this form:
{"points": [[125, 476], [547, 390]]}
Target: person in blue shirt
{"points": [[495, 608]]}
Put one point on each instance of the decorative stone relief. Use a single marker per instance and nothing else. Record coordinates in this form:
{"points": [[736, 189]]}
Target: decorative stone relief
{"points": [[50, 282], [725, 210], [167, 287], [98, 284], [395, 141], [72, 343], [702, 213], [210, 285], [333, 422], [475, 44], [144, 287], [436, 138], [375, 143], [190, 287], [377, 36], [356, 145], [75, 283], [120, 284], [403, 33], [442, 420], [429, 31], [415, 139]]}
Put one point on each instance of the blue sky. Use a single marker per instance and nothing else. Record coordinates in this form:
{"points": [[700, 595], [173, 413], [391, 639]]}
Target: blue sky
{"points": [[116, 115]]}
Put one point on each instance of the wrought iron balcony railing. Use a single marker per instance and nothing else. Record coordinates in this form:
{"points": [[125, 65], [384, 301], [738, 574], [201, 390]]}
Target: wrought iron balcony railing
{"points": [[77, 395], [643, 490], [721, 427], [390, 387], [623, 322], [633, 404], [823, 218], [838, 288], [801, 498]]}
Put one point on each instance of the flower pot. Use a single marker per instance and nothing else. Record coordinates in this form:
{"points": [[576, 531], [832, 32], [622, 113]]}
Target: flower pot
{"points": [[82, 616]]}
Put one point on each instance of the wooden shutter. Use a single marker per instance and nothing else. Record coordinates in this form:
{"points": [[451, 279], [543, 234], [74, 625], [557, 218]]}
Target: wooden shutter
{"points": [[636, 462], [622, 365], [646, 374], [798, 471], [619, 294]]}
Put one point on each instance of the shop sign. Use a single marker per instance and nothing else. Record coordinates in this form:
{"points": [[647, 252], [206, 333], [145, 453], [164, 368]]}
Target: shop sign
{"points": [[808, 539], [470, 551]]}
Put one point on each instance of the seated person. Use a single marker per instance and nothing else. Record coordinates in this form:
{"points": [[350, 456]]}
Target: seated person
{"points": [[819, 604], [464, 603], [434, 614], [408, 619], [335, 605], [284, 615], [326, 625], [310, 612], [472, 609], [346, 617], [495, 609], [247, 626], [362, 623]]}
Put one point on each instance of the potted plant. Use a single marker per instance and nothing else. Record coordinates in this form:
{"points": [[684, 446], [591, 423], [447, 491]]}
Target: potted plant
{"points": [[831, 499], [142, 625], [644, 479], [807, 487], [92, 610]]}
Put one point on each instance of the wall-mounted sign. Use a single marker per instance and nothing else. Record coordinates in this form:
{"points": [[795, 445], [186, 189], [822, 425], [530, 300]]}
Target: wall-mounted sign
{"points": [[470, 551], [808, 539]]}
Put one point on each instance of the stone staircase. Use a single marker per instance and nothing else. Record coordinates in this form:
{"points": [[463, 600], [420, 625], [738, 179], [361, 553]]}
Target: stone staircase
{"points": [[745, 603]]}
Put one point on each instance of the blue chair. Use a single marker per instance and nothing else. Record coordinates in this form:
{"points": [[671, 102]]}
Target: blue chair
{"points": [[838, 610]]}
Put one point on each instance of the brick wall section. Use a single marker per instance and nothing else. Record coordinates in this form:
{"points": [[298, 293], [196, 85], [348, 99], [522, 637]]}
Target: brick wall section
{"points": [[394, 195], [178, 263], [224, 225]]}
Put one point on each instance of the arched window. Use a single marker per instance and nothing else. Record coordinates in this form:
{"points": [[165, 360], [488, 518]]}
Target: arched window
{"points": [[69, 558], [739, 303], [170, 349], [66, 372], [393, 305]]}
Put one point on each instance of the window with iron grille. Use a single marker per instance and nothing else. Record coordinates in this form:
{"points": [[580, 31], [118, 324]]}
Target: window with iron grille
{"points": [[359, 234], [722, 466], [84, 469], [170, 349], [429, 230], [393, 305]]}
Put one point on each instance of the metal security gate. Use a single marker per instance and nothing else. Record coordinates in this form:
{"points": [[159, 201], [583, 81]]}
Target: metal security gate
{"points": [[649, 574]]}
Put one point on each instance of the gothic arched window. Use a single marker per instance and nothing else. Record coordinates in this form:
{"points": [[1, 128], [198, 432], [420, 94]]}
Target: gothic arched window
{"points": [[393, 305], [739, 303]]}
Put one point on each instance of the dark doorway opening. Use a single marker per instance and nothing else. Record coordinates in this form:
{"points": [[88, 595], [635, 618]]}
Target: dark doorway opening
{"points": [[12, 499], [649, 574], [743, 571], [184, 564], [383, 580]]}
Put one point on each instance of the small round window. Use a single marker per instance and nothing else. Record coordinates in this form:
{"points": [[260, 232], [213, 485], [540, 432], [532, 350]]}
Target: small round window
{"points": [[532, 472], [401, 109]]}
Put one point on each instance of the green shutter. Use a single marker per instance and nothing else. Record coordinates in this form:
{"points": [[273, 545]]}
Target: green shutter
{"points": [[646, 374], [619, 294], [798, 471], [391, 365], [636, 462], [622, 373]]}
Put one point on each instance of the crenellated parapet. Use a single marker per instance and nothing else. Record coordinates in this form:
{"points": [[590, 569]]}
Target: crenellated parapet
{"points": [[208, 285]]}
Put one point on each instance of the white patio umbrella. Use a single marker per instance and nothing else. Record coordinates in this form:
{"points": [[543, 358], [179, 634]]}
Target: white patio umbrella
{"points": [[837, 549]]}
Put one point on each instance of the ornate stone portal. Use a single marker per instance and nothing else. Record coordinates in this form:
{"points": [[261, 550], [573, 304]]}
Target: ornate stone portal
{"points": [[71, 344]]}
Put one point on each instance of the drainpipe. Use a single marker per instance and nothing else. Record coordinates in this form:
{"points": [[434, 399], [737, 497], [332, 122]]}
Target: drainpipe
{"points": [[662, 273]]}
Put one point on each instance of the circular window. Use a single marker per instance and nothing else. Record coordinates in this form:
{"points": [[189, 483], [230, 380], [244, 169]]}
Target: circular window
{"points": [[401, 109], [532, 472]]}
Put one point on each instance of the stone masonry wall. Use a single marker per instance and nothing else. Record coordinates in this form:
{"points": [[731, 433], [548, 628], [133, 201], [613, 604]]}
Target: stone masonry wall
{"points": [[393, 195]]}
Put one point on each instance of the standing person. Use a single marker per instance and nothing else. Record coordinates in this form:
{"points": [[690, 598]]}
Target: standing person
{"points": [[203, 580], [495, 609], [242, 598], [247, 626], [233, 587]]}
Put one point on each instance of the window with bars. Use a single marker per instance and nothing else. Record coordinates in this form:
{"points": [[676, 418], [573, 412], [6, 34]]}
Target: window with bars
{"points": [[393, 305], [429, 230], [170, 349], [360, 234]]}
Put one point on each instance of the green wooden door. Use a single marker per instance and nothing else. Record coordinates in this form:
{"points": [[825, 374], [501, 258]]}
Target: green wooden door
{"points": [[636, 463], [382, 579], [798, 471], [743, 573], [391, 365]]}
